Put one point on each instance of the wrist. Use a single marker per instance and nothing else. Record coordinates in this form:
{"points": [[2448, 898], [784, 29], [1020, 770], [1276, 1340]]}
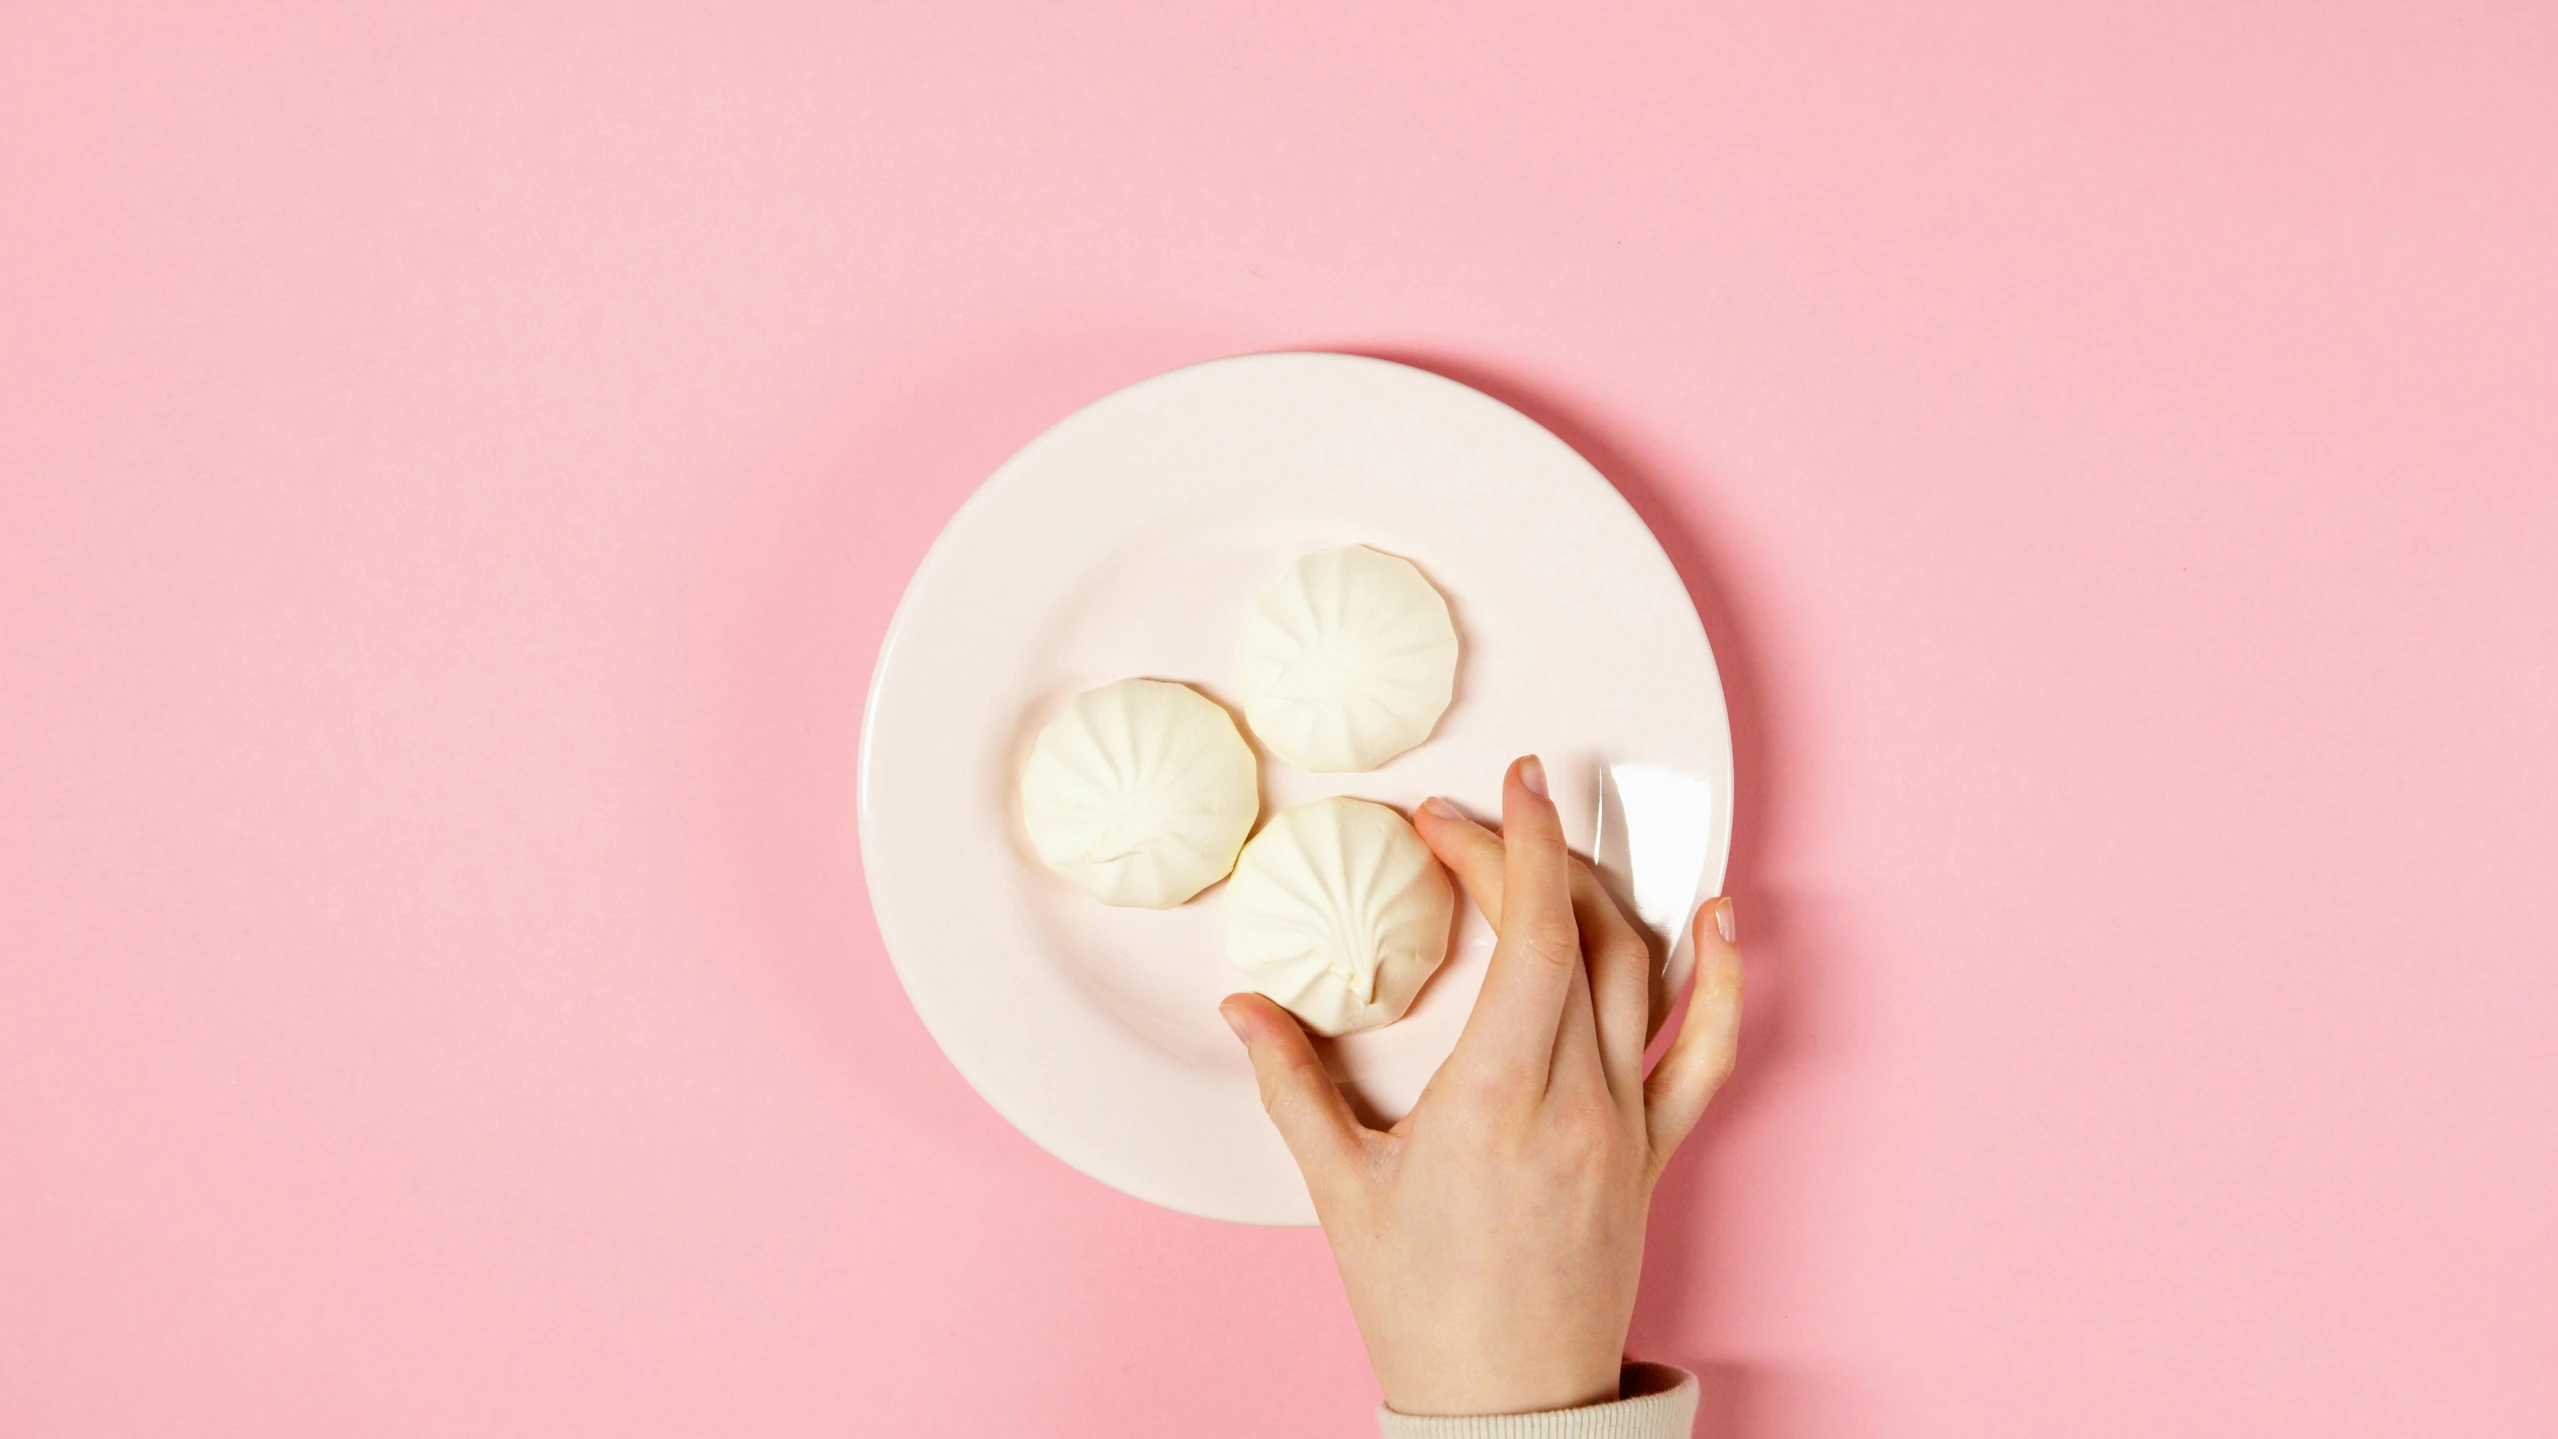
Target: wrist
{"points": [[1533, 1387]]}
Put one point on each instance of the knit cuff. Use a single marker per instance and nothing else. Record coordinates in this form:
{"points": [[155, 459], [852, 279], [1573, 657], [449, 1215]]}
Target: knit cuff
{"points": [[1659, 1403]]}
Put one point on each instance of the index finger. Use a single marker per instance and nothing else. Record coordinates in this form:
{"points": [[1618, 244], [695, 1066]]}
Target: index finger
{"points": [[1510, 1036]]}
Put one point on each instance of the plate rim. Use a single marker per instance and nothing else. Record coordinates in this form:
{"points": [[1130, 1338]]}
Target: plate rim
{"points": [[989, 492]]}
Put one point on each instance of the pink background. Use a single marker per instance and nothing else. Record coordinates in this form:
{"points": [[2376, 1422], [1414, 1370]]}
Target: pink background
{"points": [[455, 468]]}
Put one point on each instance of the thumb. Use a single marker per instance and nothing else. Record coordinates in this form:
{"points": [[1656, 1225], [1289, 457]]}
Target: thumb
{"points": [[1312, 1117]]}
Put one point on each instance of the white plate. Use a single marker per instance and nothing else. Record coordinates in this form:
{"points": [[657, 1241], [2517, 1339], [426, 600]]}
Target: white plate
{"points": [[1125, 541]]}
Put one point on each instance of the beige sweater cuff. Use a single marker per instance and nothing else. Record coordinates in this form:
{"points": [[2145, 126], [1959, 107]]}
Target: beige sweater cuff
{"points": [[1659, 1403]]}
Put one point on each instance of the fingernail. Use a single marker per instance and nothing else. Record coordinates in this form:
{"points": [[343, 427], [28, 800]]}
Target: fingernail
{"points": [[1234, 1021], [1532, 774], [1723, 920], [1440, 807]]}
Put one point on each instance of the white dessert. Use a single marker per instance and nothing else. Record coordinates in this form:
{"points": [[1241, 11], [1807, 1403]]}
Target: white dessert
{"points": [[1141, 792], [1347, 660], [1338, 911]]}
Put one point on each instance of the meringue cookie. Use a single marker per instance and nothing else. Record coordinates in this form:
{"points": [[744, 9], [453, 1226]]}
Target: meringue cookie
{"points": [[1338, 911], [1347, 660], [1141, 792]]}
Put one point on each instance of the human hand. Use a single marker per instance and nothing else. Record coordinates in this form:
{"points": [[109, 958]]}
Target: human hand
{"points": [[1491, 1241]]}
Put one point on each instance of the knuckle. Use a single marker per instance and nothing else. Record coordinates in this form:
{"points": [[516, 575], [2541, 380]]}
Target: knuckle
{"points": [[1283, 1085], [1590, 1118], [1717, 1067], [1705, 1071], [1547, 854], [1275, 1090], [1557, 941], [1711, 1084], [1588, 1140], [1488, 1101]]}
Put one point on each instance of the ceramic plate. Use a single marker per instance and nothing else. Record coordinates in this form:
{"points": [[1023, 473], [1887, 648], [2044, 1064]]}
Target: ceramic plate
{"points": [[1127, 541]]}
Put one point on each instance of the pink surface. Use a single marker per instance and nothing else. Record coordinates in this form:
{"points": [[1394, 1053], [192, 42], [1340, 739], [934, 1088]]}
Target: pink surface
{"points": [[455, 470]]}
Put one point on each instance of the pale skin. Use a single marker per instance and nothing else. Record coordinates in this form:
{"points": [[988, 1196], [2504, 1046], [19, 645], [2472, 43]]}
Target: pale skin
{"points": [[1491, 1240]]}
